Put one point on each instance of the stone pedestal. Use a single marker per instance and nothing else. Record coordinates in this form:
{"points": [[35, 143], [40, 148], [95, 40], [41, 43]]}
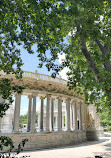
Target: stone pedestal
{"points": [[91, 135]]}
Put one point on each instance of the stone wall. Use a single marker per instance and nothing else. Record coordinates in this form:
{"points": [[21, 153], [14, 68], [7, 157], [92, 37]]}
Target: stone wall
{"points": [[48, 140]]}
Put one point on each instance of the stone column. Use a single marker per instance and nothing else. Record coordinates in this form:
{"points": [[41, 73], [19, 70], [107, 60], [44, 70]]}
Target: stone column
{"points": [[47, 113], [17, 113], [75, 116], [29, 114], [59, 114], [80, 116], [56, 122], [83, 116], [1, 101], [62, 121], [71, 112], [68, 114], [52, 114], [41, 113], [0, 123], [33, 116]]}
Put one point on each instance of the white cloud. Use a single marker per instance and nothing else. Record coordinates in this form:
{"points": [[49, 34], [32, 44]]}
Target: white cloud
{"points": [[23, 111], [65, 70], [63, 73], [61, 58]]}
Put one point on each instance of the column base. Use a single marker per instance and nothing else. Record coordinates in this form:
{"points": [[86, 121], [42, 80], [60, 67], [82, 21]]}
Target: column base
{"points": [[68, 130], [34, 131], [59, 130], [16, 132], [47, 130], [28, 130], [41, 130], [75, 130]]}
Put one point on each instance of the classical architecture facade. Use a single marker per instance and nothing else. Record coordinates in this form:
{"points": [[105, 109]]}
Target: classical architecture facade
{"points": [[71, 119]]}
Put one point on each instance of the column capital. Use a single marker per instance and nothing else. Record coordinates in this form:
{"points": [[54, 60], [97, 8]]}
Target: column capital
{"points": [[48, 95], [80, 103], [72, 101], [77, 102], [67, 99], [42, 97], [30, 96], [34, 94], [60, 97], [16, 94], [52, 98]]}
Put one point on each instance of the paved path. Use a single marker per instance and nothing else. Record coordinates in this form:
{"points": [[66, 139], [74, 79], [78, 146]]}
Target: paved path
{"points": [[84, 150]]}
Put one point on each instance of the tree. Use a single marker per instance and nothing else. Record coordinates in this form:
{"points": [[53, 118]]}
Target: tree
{"points": [[9, 54], [48, 25], [23, 119], [104, 116]]}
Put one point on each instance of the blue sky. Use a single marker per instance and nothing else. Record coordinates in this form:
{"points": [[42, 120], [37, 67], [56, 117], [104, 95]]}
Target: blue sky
{"points": [[24, 104], [31, 62]]}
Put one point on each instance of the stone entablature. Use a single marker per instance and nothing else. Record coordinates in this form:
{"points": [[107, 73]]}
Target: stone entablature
{"points": [[40, 82]]}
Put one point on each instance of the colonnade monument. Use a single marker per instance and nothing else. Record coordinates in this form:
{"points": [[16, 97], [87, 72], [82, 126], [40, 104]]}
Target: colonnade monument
{"points": [[68, 124]]}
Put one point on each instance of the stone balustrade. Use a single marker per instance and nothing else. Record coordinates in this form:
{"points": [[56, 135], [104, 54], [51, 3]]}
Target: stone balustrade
{"points": [[41, 82], [37, 76]]}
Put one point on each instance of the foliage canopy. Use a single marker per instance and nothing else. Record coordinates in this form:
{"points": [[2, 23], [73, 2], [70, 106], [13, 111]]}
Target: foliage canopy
{"points": [[79, 28]]}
